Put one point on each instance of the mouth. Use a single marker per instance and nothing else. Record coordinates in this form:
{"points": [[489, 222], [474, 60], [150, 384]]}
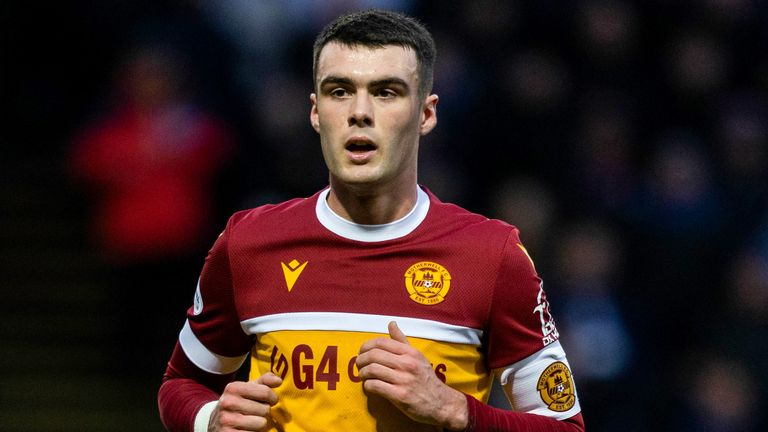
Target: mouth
{"points": [[360, 145], [360, 149]]}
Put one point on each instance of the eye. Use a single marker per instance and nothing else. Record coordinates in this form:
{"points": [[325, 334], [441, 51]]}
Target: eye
{"points": [[386, 93], [339, 92]]}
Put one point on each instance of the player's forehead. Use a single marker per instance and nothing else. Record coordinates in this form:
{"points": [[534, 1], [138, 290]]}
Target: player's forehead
{"points": [[364, 62]]}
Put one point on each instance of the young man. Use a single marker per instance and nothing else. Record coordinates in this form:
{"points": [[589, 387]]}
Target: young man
{"points": [[370, 306]]}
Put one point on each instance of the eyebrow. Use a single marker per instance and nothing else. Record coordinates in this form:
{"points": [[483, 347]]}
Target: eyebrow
{"points": [[333, 79]]}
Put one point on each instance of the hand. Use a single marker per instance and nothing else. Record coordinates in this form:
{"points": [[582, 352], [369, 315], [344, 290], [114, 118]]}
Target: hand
{"points": [[393, 369], [244, 406]]}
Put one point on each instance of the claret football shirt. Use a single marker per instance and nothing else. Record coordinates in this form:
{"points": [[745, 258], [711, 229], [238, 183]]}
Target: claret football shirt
{"points": [[296, 290]]}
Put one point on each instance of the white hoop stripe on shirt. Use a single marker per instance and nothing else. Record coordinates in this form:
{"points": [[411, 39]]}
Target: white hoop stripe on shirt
{"points": [[204, 358], [355, 322]]}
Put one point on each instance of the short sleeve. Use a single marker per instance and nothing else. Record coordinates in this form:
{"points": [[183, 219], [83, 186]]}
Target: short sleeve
{"points": [[523, 346], [212, 337], [520, 322]]}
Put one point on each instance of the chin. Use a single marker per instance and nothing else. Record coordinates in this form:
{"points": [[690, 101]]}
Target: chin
{"points": [[360, 178]]}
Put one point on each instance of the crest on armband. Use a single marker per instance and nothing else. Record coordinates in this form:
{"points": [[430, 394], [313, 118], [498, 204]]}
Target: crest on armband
{"points": [[556, 387]]}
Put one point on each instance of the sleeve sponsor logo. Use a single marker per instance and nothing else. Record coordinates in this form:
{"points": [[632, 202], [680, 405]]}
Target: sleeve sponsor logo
{"points": [[556, 387], [427, 283], [548, 329], [197, 305]]}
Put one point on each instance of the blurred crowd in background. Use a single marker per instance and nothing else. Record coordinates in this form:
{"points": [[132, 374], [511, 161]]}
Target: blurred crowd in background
{"points": [[628, 140]]}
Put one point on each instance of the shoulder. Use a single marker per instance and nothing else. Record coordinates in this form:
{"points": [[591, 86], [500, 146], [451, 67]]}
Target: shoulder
{"points": [[493, 236], [280, 213], [459, 218]]}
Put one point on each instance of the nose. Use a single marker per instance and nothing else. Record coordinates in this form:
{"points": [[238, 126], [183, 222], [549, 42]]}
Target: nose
{"points": [[361, 110]]}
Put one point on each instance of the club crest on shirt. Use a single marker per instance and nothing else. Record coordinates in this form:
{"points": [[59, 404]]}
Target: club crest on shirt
{"points": [[427, 282], [556, 387]]}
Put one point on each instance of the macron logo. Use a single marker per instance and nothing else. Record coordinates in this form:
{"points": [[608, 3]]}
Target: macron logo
{"points": [[291, 271]]}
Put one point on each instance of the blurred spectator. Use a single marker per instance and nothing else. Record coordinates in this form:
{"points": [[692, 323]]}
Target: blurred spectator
{"points": [[149, 165], [536, 82], [587, 279], [739, 332], [489, 24], [742, 137], [698, 64], [603, 171], [288, 136], [718, 395], [455, 81], [150, 162], [531, 207], [729, 12], [443, 176], [748, 290], [760, 236], [680, 198], [607, 29], [682, 195], [678, 226]]}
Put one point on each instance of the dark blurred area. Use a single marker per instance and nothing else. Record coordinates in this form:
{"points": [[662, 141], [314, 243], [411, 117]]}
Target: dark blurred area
{"points": [[628, 140]]}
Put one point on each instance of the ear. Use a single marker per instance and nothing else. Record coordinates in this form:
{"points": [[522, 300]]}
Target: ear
{"points": [[428, 114], [313, 117]]}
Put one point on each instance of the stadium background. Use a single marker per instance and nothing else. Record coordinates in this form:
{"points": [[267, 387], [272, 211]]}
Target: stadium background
{"points": [[627, 140]]}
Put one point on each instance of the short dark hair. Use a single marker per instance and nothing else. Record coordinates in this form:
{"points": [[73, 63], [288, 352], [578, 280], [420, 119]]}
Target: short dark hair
{"points": [[376, 28]]}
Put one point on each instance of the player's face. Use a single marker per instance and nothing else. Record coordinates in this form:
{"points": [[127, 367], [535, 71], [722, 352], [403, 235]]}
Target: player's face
{"points": [[369, 114]]}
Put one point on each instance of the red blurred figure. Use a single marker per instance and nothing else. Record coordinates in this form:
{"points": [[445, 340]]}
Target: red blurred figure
{"points": [[151, 163]]}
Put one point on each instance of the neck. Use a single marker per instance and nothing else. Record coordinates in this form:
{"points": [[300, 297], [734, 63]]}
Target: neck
{"points": [[370, 207]]}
